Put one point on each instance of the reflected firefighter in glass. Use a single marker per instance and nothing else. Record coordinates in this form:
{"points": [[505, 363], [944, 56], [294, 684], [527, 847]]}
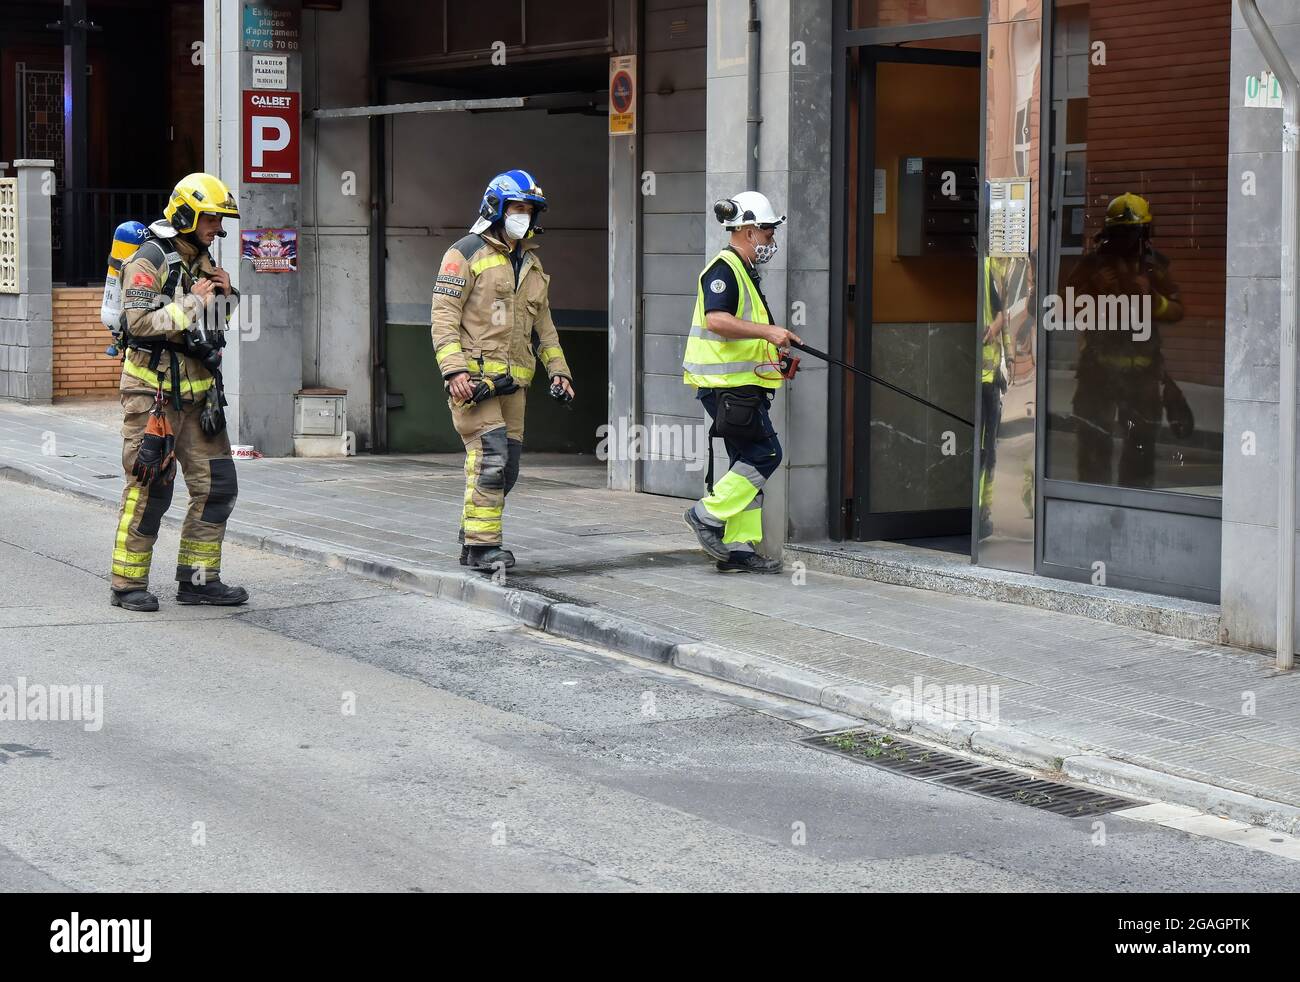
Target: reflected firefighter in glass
{"points": [[995, 351], [1121, 375]]}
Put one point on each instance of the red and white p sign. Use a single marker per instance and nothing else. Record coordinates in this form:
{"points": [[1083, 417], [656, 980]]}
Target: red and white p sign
{"points": [[271, 128]]}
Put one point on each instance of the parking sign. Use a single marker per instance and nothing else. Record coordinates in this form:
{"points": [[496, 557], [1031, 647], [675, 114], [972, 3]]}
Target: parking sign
{"points": [[271, 131]]}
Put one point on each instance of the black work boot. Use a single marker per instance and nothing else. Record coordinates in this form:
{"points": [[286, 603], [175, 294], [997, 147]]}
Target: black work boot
{"points": [[213, 592], [748, 562], [710, 536], [134, 599], [489, 558]]}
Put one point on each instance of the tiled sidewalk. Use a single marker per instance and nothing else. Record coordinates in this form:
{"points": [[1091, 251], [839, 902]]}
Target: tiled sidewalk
{"points": [[1174, 706]]}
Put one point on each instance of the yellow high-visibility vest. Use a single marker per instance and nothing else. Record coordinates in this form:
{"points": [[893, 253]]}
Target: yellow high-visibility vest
{"points": [[715, 362]]}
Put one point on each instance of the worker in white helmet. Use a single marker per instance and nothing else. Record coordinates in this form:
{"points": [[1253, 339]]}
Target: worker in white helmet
{"points": [[731, 359]]}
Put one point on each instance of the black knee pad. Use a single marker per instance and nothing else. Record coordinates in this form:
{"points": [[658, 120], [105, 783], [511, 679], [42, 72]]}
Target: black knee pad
{"points": [[514, 451], [492, 471], [160, 499], [222, 491]]}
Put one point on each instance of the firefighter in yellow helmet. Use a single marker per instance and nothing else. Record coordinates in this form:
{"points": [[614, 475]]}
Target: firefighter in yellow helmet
{"points": [[176, 305], [491, 324], [1123, 390]]}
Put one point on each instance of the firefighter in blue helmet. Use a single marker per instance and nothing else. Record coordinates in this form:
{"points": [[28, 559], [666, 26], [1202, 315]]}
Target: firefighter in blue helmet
{"points": [[491, 325]]}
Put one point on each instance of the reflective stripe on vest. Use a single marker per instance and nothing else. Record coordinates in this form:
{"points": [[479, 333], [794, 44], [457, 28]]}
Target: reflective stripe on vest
{"points": [[714, 362], [150, 378]]}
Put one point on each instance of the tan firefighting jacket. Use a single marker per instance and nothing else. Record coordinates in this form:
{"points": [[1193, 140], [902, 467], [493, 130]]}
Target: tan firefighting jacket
{"points": [[150, 313], [486, 323]]}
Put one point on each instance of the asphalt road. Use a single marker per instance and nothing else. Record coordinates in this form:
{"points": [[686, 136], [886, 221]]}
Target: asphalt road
{"points": [[339, 735]]}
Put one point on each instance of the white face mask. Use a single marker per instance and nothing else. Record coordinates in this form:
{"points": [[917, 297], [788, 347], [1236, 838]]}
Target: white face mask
{"points": [[763, 252], [517, 225]]}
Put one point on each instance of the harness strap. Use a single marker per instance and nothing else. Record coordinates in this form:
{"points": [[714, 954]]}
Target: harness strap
{"points": [[708, 476], [156, 346], [175, 369]]}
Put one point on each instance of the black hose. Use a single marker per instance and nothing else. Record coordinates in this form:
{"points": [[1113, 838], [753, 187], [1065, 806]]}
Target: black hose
{"points": [[879, 381]]}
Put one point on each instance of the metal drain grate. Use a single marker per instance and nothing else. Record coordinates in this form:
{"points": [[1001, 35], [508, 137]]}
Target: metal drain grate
{"points": [[888, 752]]}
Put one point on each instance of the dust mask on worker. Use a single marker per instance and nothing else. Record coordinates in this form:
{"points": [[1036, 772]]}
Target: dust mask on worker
{"points": [[517, 225], [764, 251]]}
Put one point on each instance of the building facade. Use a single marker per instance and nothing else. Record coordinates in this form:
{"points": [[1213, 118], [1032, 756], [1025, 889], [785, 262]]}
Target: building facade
{"points": [[1056, 220]]}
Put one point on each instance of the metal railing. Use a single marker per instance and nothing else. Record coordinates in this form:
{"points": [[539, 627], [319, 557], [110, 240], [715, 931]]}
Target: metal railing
{"points": [[89, 217]]}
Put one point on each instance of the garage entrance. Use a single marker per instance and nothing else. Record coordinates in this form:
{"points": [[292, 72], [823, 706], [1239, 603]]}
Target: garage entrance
{"points": [[544, 80]]}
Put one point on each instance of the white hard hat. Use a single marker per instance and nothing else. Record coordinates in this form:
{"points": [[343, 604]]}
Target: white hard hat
{"points": [[749, 208]]}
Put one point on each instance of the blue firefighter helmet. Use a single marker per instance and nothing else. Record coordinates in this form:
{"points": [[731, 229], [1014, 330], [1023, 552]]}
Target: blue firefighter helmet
{"points": [[513, 185]]}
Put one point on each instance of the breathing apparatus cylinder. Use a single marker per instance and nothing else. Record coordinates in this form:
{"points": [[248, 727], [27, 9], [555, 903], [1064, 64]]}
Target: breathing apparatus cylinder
{"points": [[126, 240]]}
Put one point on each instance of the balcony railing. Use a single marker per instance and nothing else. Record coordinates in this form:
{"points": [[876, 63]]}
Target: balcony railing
{"points": [[89, 216]]}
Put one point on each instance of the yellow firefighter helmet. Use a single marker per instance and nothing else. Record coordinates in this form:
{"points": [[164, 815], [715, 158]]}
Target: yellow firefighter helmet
{"points": [[1128, 209], [195, 195]]}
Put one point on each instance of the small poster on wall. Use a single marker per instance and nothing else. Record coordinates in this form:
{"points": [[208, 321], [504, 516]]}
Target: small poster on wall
{"points": [[271, 26], [270, 250], [622, 95], [270, 71]]}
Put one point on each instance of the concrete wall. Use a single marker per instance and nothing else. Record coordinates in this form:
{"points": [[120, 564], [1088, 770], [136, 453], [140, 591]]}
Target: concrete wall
{"points": [[674, 226], [264, 359], [624, 249], [334, 245], [26, 330], [794, 172], [808, 129], [1249, 557]]}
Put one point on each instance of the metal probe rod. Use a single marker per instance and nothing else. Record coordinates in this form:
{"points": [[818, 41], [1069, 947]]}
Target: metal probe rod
{"points": [[879, 381]]}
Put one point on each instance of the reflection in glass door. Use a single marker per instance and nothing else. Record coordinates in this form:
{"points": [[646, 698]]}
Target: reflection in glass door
{"points": [[1007, 445], [1135, 324], [914, 232]]}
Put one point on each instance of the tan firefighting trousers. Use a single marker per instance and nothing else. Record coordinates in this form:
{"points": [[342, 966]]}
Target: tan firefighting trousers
{"points": [[209, 474], [493, 434]]}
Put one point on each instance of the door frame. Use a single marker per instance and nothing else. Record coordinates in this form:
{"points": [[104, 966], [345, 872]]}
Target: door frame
{"points": [[857, 53]]}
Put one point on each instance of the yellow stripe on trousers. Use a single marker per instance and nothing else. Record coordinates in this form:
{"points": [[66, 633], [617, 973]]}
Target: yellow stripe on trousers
{"points": [[195, 553], [131, 565]]}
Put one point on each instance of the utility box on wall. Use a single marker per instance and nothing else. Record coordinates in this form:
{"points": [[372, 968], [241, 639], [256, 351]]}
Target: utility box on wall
{"points": [[320, 423], [938, 207]]}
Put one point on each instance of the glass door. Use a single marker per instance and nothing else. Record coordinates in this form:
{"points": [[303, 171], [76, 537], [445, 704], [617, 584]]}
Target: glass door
{"points": [[913, 275]]}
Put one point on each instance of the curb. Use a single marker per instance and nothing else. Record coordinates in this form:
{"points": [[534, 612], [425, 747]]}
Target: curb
{"points": [[1168, 617], [1118, 775], [875, 706]]}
